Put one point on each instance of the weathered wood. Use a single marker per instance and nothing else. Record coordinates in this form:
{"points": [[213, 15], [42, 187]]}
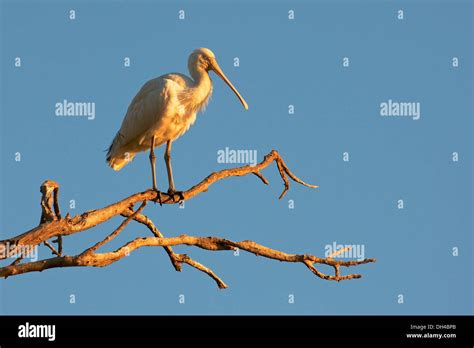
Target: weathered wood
{"points": [[53, 225]]}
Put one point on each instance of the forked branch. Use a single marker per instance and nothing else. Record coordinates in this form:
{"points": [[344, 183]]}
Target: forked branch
{"points": [[53, 225]]}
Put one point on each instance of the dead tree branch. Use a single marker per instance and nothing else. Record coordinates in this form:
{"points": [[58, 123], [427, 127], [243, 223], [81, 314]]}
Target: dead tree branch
{"points": [[175, 258], [53, 225]]}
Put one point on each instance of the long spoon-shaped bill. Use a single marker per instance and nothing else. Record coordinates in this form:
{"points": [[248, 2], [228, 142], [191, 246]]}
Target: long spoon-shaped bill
{"points": [[221, 74]]}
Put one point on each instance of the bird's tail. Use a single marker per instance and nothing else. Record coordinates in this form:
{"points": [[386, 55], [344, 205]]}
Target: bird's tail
{"points": [[116, 157]]}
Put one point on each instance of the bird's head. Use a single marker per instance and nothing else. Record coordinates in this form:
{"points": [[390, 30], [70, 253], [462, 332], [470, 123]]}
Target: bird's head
{"points": [[203, 59]]}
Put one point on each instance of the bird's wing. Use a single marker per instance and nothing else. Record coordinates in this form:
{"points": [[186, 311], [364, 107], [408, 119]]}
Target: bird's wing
{"points": [[147, 108]]}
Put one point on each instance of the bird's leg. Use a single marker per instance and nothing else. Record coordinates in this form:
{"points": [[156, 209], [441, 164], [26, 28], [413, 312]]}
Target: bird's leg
{"points": [[171, 190], [168, 166], [153, 172], [152, 162]]}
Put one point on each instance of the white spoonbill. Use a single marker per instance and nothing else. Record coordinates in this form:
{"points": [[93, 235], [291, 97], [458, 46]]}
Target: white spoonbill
{"points": [[163, 110]]}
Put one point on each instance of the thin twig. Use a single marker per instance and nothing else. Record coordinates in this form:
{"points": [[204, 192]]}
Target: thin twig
{"points": [[53, 250], [56, 203], [186, 259], [116, 232], [17, 260]]}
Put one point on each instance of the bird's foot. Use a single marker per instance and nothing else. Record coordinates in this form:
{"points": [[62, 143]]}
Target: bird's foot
{"points": [[172, 193], [158, 197]]}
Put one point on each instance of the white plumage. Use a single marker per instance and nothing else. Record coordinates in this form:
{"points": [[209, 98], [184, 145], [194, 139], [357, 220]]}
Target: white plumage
{"points": [[163, 110]]}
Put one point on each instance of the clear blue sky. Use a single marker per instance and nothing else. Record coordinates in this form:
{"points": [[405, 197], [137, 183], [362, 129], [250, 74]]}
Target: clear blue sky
{"points": [[282, 62]]}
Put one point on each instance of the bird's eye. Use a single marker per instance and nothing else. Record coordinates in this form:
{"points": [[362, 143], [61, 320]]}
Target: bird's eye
{"points": [[207, 62]]}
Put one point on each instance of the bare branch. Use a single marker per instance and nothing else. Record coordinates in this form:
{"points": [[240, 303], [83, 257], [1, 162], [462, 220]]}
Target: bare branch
{"points": [[145, 220], [261, 177], [207, 243], [89, 219], [17, 261], [53, 225], [53, 249], [47, 201], [59, 240], [186, 259], [116, 232], [176, 259]]}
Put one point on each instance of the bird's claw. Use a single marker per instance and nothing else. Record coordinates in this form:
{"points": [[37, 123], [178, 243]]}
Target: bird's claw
{"points": [[172, 193], [158, 197]]}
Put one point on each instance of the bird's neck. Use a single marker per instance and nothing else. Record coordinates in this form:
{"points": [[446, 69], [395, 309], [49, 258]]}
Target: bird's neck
{"points": [[202, 86]]}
